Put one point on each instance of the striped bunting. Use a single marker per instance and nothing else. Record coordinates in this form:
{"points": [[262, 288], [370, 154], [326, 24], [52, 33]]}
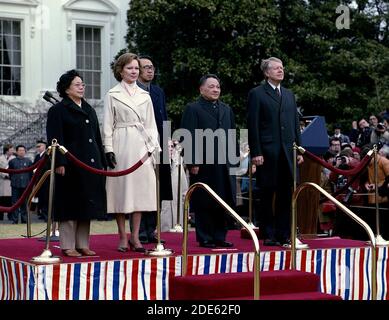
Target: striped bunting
{"points": [[344, 272]]}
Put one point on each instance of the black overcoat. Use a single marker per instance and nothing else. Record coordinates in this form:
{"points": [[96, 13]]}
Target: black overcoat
{"points": [[79, 195], [198, 115], [273, 127]]}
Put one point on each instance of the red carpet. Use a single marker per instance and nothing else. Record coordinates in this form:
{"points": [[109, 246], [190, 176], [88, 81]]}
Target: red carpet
{"points": [[275, 285], [112, 275], [106, 247]]}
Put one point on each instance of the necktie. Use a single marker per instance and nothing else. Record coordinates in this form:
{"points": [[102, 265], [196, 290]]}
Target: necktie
{"points": [[278, 93]]}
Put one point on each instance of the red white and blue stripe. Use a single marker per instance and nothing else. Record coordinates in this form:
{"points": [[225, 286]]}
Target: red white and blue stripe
{"points": [[345, 272]]}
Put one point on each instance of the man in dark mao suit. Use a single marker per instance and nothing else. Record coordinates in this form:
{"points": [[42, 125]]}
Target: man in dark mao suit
{"points": [[273, 127], [146, 76], [209, 113]]}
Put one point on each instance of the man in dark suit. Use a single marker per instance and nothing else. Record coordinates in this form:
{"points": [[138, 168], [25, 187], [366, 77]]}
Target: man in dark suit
{"points": [[273, 127], [146, 76], [214, 117]]}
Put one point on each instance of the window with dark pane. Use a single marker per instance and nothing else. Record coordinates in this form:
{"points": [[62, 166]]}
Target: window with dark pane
{"points": [[10, 57], [88, 50]]}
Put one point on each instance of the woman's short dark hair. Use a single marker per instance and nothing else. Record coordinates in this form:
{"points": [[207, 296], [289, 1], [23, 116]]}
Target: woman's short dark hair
{"points": [[204, 78], [65, 81], [119, 64]]}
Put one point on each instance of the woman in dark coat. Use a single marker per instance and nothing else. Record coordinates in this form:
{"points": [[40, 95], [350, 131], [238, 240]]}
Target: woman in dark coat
{"points": [[79, 195]]}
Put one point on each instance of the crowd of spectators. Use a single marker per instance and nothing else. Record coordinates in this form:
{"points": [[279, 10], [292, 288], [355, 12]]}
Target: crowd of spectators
{"points": [[345, 152]]}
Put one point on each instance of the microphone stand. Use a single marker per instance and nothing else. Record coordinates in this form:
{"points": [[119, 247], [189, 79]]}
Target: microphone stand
{"points": [[47, 257]]}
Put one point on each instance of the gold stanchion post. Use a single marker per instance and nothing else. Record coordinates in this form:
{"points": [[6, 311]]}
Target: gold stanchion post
{"points": [[250, 222], [47, 257], [159, 250], [295, 242], [28, 221]]}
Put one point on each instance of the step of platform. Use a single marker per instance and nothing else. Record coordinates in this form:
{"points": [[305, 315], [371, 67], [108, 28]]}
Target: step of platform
{"points": [[235, 285]]}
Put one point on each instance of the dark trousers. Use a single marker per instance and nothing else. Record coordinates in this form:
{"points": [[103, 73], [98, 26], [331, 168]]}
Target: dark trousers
{"points": [[148, 225], [5, 202], [43, 202], [274, 208], [22, 210], [211, 225]]}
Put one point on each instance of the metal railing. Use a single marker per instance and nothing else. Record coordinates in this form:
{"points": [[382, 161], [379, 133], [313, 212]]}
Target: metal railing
{"points": [[184, 264], [28, 135], [20, 127], [347, 211]]}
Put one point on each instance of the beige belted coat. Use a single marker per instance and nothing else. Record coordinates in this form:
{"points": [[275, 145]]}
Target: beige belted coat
{"points": [[129, 130]]}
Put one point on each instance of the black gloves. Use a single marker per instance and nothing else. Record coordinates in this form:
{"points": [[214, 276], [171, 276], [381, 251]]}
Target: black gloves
{"points": [[111, 160]]}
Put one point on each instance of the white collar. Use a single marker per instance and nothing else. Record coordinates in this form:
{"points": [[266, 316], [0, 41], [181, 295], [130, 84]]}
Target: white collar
{"points": [[274, 87]]}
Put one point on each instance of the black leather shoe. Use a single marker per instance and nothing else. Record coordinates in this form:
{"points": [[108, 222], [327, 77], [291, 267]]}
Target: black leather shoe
{"points": [[224, 244], [207, 244], [286, 243], [271, 242], [136, 249]]}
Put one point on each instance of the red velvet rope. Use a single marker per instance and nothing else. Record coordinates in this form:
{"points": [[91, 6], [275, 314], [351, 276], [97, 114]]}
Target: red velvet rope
{"points": [[27, 191], [348, 184], [28, 169], [107, 173], [350, 172]]}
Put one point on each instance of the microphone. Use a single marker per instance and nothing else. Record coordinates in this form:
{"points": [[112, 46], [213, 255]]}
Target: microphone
{"points": [[48, 96]]}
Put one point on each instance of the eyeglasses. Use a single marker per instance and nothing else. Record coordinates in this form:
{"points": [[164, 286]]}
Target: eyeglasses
{"points": [[79, 85], [148, 67]]}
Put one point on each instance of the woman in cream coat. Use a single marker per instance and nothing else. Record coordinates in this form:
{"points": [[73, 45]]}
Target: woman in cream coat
{"points": [[129, 131]]}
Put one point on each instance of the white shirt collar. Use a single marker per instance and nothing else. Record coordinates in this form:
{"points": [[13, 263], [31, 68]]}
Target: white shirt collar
{"points": [[274, 87]]}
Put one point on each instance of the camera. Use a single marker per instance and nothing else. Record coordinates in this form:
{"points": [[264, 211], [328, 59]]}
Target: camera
{"points": [[349, 195], [343, 159], [341, 181], [380, 126]]}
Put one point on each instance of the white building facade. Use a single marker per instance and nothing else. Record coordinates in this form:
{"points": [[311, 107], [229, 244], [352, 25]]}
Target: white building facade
{"points": [[42, 39]]}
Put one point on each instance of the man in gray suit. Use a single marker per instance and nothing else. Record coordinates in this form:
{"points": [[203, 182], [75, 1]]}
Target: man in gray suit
{"points": [[273, 127]]}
